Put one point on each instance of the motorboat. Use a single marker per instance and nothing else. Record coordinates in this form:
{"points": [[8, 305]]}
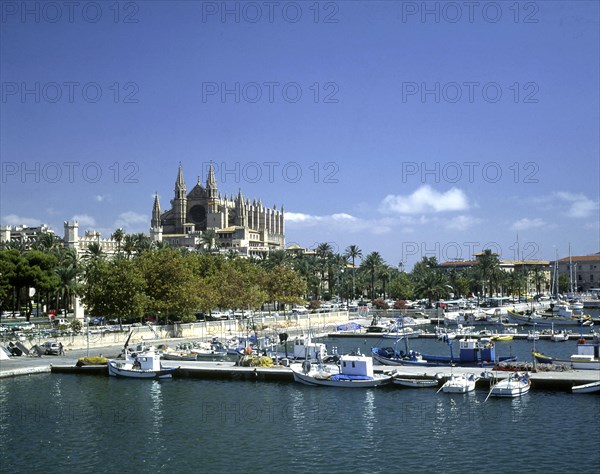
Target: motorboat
{"points": [[414, 383], [515, 385], [587, 357], [592, 387], [462, 383], [471, 353], [354, 371], [144, 364]]}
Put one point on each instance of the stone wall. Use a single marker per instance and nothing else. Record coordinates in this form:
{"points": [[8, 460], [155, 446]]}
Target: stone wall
{"points": [[265, 325]]}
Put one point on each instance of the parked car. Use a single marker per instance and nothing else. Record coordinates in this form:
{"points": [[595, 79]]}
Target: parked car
{"points": [[51, 348]]}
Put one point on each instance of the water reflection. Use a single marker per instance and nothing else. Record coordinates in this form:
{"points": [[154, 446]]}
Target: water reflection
{"points": [[156, 400]]}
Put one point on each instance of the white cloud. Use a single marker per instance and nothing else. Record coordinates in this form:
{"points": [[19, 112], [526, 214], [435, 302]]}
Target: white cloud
{"points": [[579, 205], [132, 222], [462, 222], [525, 223], [101, 197], [13, 219], [84, 220], [339, 221], [425, 200]]}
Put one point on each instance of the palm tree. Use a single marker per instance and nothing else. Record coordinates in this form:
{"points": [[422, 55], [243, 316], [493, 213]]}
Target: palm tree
{"points": [[208, 241], [142, 243], [67, 286], [489, 265], [45, 242], [353, 252], [129, 244], [324, 252], [94, 251], [372, 263], [433, 285], [118, 236]]}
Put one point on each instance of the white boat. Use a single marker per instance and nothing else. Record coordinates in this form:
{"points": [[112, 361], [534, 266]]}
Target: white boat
{"points": [[460, 383], [140, 365], [415, 383], [354, 371], [587, 388], [587, 357], [559, 336], [533, 336], [515, 385]]}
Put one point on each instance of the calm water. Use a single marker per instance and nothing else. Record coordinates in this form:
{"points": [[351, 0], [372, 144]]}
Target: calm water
{"points": [[58, 423]]}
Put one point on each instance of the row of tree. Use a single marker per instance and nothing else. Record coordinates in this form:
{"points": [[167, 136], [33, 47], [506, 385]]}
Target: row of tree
{"points": [[146, 277]]}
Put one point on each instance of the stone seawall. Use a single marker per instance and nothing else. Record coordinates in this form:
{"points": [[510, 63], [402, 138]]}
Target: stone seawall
{"points": [[265, 325]]}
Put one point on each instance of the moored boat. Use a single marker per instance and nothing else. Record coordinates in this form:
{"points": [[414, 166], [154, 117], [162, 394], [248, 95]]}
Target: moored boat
{"points": [[462, 383], [354, 371], [471, 353], [535, 318], [140, 365], [515, 385], [415, 383], [592, 387], [587, 357]]}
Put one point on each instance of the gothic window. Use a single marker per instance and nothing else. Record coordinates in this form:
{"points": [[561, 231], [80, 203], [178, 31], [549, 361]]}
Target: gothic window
{"points": [[198, 214]]}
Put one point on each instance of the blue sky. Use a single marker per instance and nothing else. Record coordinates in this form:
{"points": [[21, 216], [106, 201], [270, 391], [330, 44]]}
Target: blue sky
{"points": [[410, 128]]}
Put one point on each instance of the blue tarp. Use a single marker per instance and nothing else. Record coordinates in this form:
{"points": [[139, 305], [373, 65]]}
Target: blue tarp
{"points": [[349, 327], [339, 377]]}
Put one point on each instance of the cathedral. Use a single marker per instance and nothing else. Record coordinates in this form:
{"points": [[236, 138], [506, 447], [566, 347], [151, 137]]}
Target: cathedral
{"points": [[245, 227]]}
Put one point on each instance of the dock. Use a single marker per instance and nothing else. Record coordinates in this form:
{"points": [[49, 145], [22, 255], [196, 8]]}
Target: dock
{"points": [[553, 381]]}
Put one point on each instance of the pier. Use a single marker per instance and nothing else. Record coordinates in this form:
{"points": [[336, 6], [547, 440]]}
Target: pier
{"points": [[553, 381]]}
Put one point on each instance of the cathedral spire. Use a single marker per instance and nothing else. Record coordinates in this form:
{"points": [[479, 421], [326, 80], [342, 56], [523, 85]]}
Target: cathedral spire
{"points": [[180, 183], [156, 212], [211, 182]]}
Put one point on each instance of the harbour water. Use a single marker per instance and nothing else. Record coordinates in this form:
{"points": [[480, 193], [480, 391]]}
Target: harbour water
{"points": [[58, 423]]}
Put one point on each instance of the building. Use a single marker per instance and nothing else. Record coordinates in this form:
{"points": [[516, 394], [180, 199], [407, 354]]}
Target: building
{"points": [[583, 271], [538, 271], [23, 234], [245, 227], [80, 244]]}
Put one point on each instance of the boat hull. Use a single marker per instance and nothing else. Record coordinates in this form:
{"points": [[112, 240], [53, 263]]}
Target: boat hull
{"points": [[507, 390], [593, 387], [415, 383], [542, 320], [118, 369], [435, 361], [313, 380], [575, 361]]}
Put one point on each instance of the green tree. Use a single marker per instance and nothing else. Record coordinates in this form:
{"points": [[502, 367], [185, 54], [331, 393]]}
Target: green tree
{"points": [[352, 253], [284, 285], [433, 286], [371, 265]]}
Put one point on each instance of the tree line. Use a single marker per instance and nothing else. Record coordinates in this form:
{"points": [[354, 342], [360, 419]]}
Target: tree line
{"points": [[151, 278]]}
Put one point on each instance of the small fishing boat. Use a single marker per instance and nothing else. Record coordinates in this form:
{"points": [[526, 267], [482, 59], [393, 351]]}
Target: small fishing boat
{"points": [[415, 383], [587, 357], [515, 385], [354, 371], [592, 387], [140, 365], [559, 336], [533, 336], [460, 383], [471, 353], [503, 338]]}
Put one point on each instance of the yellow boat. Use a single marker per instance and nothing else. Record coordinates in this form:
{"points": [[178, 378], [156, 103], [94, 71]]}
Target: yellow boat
{"points": [[502, 338]]}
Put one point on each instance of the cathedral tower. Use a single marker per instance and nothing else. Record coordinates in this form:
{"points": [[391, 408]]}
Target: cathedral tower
{"points": [[180, 202]]}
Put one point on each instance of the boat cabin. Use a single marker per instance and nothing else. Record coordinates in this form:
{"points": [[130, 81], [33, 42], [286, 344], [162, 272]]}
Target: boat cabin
{"points": [[589, 349], [147, 360], [304, 348], [356, 365], [471, 350]]}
